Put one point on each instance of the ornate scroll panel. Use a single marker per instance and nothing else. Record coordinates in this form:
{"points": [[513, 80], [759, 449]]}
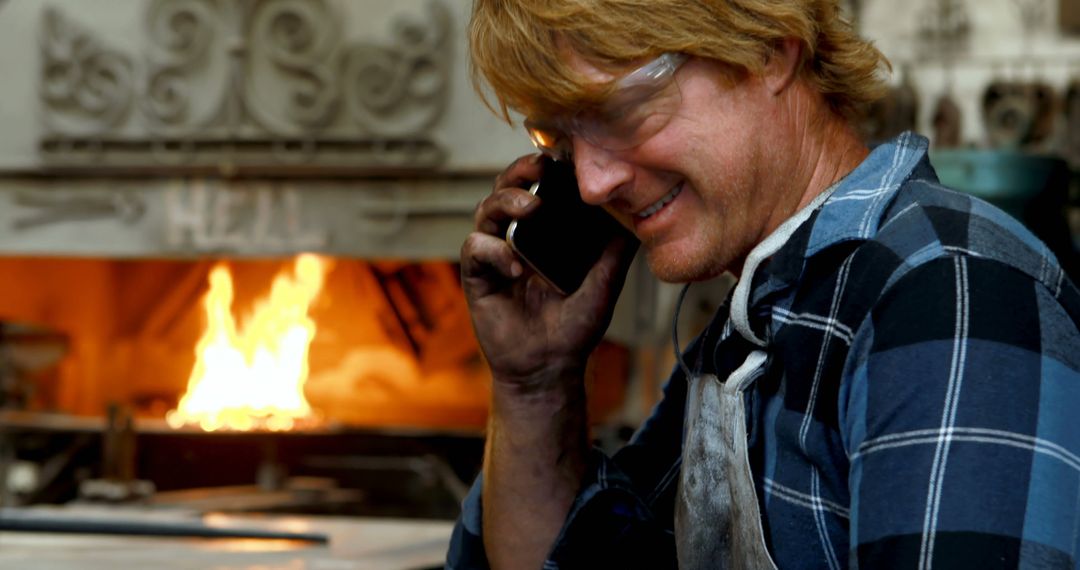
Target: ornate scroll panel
{"points": [[237, 84], [87, 88]]}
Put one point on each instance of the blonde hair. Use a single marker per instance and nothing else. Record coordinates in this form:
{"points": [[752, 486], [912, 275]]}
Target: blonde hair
{"points": [[519, 47]]}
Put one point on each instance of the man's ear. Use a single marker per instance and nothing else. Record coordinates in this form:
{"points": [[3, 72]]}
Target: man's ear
{"points": [[783, 65]]}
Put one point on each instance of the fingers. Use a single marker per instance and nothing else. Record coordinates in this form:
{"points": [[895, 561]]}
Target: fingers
{"points": [[495, 212], [521, 173], [594, 301], [509, 199], [609, 273], [487, 264]]}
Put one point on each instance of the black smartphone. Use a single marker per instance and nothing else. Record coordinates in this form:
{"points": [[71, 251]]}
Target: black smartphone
{"points": [[564, 237]]}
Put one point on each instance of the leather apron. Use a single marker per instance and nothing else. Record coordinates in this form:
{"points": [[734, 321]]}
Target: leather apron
{"points": [[717, 519]]}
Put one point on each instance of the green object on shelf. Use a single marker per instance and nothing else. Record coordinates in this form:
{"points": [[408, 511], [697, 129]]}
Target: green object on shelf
{"points": [[1007, 179]]}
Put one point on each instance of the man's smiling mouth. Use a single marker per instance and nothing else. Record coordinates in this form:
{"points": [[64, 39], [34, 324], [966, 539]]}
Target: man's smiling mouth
{"points": [[659, 204]]}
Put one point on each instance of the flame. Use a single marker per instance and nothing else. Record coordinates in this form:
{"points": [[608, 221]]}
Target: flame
{"points": [[253, 377]]}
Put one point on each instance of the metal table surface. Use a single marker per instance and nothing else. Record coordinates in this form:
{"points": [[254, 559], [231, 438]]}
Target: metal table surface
{"points": [[355, 544]]}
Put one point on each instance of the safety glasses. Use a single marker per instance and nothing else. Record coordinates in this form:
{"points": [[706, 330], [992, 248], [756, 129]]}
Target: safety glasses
{"points": [[640, 105]]}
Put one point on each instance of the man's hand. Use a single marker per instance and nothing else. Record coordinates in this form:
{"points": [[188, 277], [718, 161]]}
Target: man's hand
{"points": [[528, 330], [537, 342]]}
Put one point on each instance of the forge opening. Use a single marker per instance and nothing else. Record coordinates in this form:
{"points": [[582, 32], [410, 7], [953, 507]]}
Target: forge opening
{"points": [[391, 341]]}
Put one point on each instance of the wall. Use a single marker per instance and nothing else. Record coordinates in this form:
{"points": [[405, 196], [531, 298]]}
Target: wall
{"points": [[999, 45]]}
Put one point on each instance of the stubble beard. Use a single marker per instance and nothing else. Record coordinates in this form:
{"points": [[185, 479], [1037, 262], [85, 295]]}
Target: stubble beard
{"points": [[704, 260]]}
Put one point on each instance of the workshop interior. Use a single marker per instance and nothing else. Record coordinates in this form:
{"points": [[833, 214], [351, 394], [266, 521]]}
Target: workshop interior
{"points": [[231, 323]]}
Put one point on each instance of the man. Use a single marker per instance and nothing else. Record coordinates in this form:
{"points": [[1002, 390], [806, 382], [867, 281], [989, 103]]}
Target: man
{"points": [[891, 382]]}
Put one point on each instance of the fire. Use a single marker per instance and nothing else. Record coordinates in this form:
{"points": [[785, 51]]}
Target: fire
{"points": [[252, 377]]}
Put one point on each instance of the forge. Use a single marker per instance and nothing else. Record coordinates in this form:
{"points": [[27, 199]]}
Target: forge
{"points": [[250, 384]]}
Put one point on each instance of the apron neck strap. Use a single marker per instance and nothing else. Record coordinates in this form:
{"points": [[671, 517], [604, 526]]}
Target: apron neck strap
{"points": [[675, 331]]}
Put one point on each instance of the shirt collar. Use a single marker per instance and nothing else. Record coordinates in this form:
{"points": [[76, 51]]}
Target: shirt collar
{"points": [[851, 209], [855, 210]]}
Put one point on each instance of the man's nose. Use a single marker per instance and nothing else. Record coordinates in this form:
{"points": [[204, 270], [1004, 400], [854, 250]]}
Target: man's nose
{"points": [[600, 172]]}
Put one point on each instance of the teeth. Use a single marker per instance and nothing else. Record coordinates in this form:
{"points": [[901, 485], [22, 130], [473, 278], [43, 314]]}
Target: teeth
{"points": [[660, 203]]}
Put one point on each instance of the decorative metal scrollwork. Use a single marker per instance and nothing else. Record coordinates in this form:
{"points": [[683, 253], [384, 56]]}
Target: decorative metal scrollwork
{"points": [[48, 210], [86, 87], [229, 77], [399, 89], [181, 33], [299, 38]]}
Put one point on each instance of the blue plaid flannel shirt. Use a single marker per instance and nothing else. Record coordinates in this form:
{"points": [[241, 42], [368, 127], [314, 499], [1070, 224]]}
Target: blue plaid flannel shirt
{"points": [[919, 406]]}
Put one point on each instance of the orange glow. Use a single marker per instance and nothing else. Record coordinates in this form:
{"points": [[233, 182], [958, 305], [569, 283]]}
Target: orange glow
{"points": [[252, 377]]}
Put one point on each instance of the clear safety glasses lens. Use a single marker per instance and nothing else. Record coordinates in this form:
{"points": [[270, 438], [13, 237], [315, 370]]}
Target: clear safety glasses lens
{"points": [[641, 104]]}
